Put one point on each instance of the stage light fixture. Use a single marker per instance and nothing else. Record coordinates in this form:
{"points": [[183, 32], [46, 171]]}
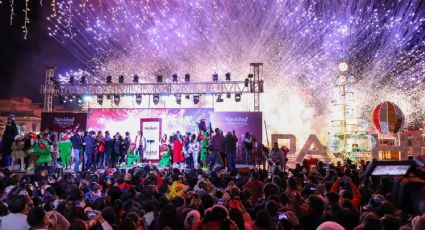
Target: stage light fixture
{"points": [[219, 98], [109, 79], [187, 77], [159, 79], [228, 77], [187, 96], [121, 79], [195, 99], [79, 99], [246, 82], [175, 77], [71, 80], [108, 97], [135, 78], [238, 97], [228, 95], [62, 99], [139, 99], [215, 77], [100, 99], [250, 75], [70, 99], [178, 98], [156, 99], [83, 80], [117, 99]]}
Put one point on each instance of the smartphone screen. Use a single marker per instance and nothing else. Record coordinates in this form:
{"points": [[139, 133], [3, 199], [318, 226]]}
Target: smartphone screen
{"points": [[282, 216]]}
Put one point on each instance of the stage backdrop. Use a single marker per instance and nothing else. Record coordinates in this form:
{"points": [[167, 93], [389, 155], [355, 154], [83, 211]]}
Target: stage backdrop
{"points": [[122, 120], [60, 122], [241, 122]]}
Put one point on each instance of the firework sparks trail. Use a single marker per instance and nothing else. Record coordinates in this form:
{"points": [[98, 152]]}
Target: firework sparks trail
{"points": [[300, 42]]}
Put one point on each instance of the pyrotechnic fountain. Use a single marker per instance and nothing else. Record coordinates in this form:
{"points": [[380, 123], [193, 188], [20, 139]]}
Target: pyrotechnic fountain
{"points": [[299, 42]]}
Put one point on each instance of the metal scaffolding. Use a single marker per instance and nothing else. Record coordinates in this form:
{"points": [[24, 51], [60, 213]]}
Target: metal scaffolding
{"points": [[253, 84]]}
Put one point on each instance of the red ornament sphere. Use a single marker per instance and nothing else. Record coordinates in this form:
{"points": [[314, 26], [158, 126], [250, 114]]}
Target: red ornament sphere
{"points": [[387, 117]]}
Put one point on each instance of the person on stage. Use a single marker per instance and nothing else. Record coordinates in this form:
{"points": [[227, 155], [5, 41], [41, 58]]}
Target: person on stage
{"points": [[165, 152], [41, 150], [54, 151], [109, 145], [230, 142], [125, 145], [64, 147], [187, 154], [10, 132], [131, 156], [249, 146], [177, 149], [117, 149], [77, 146], [89, 149], [194, 148], [203, 137], [277, 157], [100, 143], [18, 152], [31, 147], [217, 142], [141, 145]]}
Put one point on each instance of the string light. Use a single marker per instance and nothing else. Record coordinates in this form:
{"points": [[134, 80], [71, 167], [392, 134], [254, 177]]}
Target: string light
{"points": [[26, 20], [12, 11]]}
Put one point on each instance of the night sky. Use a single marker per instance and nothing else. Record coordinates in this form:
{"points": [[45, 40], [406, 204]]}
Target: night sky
{"points": [[22, 62]]}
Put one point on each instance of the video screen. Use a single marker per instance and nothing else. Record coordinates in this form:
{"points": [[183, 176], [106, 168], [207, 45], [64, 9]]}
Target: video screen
{"points": [[390, 170]]}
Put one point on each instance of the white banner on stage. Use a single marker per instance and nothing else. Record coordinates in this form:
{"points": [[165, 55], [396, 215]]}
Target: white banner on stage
{"points": [[152, 132]]}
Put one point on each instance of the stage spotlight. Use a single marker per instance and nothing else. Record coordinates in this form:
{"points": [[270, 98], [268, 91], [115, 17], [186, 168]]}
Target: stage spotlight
{"points": [[187, 77], [71, 80], [139, 99], [83, 80], [215, 77], [237, 97], [62, 99], [159, 78], [79, 99], [246, 82], [156, 99], [100, 99], [178, 98], [219, 99], [70, 99], [108, 97], [187, 96], [121, 79], [117, 99], [250, 75], [109, 79], [175, 77], [195, 99], [228, 95], [135, 78], [228, 77]]}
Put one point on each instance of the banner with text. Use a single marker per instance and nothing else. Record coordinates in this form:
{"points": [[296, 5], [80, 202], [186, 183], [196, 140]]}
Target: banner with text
{"points": [[241, 123], [60, 122], [152, 129]]}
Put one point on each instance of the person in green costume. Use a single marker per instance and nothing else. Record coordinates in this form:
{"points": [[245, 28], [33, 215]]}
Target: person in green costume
{"points": [[43, 152], [64, 147], [204, 143], [131, 156], [165, 152]]}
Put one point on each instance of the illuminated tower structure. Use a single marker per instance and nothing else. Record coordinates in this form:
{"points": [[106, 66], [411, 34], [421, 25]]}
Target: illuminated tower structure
{"points": [[346, 133]]}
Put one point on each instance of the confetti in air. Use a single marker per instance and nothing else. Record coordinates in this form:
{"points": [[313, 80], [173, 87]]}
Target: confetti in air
{"points": [[299, 42]]}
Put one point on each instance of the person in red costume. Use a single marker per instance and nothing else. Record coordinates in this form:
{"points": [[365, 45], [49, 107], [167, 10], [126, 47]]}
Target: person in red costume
{"points": [[177, 150], [354, 196]]}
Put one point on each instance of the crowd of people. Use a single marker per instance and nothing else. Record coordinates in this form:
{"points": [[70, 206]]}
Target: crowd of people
{"points": [[184, 193]]}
